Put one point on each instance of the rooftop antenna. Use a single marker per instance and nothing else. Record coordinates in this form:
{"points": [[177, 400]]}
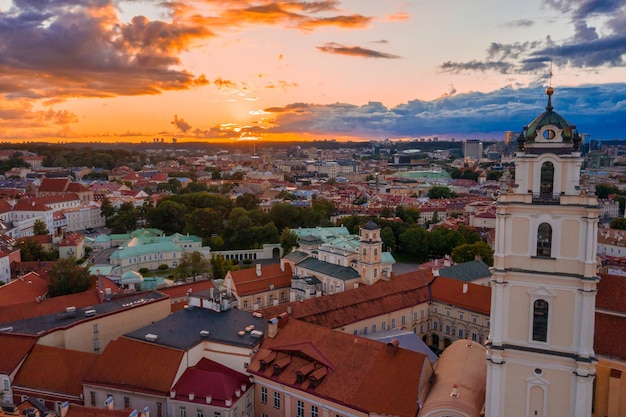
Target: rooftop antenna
{"points": [[550, 90], [550, 75]]}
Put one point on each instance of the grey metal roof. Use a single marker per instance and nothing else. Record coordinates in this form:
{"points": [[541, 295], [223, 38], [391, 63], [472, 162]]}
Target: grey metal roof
{"points": [[467, 271], [43, 324], [181, 330], [296, 256], [407, 339], [336, 271]]}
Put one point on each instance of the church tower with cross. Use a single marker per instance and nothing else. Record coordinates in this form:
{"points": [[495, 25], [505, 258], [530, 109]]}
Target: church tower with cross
{"points": [[540, 358]]}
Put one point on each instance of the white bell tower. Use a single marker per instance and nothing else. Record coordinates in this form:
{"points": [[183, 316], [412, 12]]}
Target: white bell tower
{"points": [[370, 253], [540, 358]]}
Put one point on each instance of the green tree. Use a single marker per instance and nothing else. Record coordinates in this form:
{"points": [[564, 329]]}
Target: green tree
{"points": [[469, 252], [125, 218], [288, 240], [204, 223], [439, 191], [409, 215], [619, 223], [247, 201], [40, 228], [385, 212], [221, 266], [66, 277], [604, 190], [192, 264], [31, 250], [388, 238], [414, 242], [168, 216], [470, 235], [106, 208]]}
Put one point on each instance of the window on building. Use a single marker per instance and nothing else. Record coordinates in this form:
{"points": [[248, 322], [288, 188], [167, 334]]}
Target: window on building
{"points": [[435, 325], [271, 298], [414, 315], [245, 303], [96, 344], [258, 300], [282, 295], [364, 252], [474, 319], [300, 408], [547, 179], [219, 414], [384, 325], [448, 312], [403, 319], [373, 328], [127, 402], [200, 412], [421, 328], [434, 309], [447, 329], [314, 411], [365, 330], [544, 240], [356, 332], [540, 321], [375, 272], [277, 400], [159, 409], [263, 395], [474, 337], [92, 398], [95, 328], [460, 333], [393, 323]]}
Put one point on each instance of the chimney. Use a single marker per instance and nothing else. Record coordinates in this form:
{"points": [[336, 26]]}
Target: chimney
{"points": [[258, 270], [465, 288], [64, 407], [272, 328], [289, 309], [455, 391], [172, 394], [109, 403], [192, 396], [392, 347], [282, 265], [209, 398]]}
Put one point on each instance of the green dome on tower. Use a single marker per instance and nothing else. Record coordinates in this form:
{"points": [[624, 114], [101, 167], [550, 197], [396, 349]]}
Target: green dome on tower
{"points": [[549, 117]]}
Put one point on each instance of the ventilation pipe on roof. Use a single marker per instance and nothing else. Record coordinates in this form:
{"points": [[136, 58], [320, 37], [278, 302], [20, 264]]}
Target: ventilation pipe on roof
{"points": [[465, 288], [392, 347], [258, 270]]}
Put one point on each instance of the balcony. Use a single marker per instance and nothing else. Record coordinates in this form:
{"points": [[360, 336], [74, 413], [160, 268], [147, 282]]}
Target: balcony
{"points": [[546, 199]]}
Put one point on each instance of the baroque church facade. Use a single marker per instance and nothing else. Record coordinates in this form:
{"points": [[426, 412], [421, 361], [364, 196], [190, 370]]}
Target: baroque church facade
{"points": [[540, 357]]}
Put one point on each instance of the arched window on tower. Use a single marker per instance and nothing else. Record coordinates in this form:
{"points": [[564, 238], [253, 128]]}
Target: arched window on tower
{"points": [[540, 320], [547, 180], [544, 240]]}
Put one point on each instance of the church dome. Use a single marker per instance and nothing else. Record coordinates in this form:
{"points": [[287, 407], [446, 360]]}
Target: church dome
{"points": [[552, 118], [370, 226]]}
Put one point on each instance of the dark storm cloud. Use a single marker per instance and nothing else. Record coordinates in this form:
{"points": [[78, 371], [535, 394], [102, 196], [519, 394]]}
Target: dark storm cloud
{"points": [[595, 109], [456, 67], [335, 48], [180, 124]]}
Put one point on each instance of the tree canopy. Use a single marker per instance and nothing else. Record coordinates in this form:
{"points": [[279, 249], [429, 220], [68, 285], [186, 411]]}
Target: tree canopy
{"points": [[66, 277]]}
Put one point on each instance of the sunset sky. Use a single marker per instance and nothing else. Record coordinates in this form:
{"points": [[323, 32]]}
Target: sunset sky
{"points": [[105, 70]]}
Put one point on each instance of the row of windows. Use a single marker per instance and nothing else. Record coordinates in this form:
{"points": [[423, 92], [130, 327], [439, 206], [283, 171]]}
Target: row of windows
{"points": [[299, 405]]}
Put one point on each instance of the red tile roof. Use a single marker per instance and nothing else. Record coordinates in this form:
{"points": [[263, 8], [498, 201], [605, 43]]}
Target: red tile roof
{"points": [[55, 369], [48, 306], [76, 410], [26, 204], [350, 306], [54, 185], [611, 293], [609, 338], [24, 289], [148, 367], [210, 378], [450, 290], [247, 282], [352, 371], [14, 350]]}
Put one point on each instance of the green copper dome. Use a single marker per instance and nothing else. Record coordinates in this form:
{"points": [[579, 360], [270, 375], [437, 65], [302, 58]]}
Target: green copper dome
{"points": [[549, 117]]}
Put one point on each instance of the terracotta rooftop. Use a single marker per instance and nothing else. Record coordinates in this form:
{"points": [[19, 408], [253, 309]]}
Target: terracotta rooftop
{"points": [[14, 350], [609, 338], [347, 307], [23, 289], [55, 370], [148, 368], [611, 293], [350, 370], [75, 410], [56, 185], [451, 291], [247, 282]]}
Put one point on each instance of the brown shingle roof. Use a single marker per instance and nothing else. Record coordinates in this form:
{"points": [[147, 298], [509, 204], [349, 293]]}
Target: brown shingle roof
{"points": [[247, 282], [352, 371], [14, 350], [55, 369], [54, 185], [350, 306], [147, 367]]}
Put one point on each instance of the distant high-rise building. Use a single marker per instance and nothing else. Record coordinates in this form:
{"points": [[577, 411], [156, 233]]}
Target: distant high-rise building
{"points": [[473, 149]]}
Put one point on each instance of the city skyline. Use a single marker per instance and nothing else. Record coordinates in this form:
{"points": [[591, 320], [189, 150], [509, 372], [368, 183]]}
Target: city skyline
{"points": [[105, 70]]}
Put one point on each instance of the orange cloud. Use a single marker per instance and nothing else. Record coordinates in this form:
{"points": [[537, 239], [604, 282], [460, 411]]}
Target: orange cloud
{"points": [[220, 83], [335, 48], [354, 21]]}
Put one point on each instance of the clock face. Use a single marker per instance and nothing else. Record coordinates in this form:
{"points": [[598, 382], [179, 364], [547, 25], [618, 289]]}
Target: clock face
{"points": [[549, 134]]}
